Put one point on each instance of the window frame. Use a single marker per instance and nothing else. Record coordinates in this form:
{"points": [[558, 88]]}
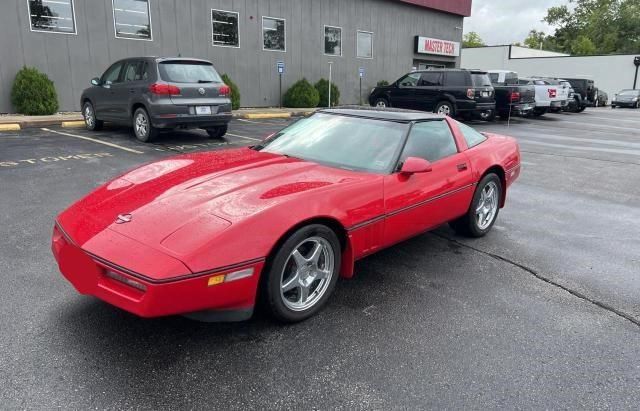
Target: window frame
{"points": [[73, 14], [238, 26], [285, 34], [324, 34], [372, 53], [115, 29]]}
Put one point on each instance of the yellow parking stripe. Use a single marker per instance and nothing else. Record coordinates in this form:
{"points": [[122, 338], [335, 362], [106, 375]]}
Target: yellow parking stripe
{"points": [[94, 140], [70, 124], [9, 127], [256, 116]]}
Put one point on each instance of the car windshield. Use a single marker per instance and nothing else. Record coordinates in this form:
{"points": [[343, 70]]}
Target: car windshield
{"points": [[340, 141], [188, 72], [480, 80], [628, 93]]}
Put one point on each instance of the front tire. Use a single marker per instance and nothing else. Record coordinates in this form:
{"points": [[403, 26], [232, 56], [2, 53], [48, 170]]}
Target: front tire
{"points": [[483, 210], [302, 274], [142, 127], [90, 120]]}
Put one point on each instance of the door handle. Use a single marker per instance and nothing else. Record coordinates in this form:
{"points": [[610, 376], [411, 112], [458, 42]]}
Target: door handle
{"points": [[462, 167]]}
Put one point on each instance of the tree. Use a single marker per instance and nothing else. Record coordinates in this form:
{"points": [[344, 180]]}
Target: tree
{"points": [[582, 46], [535, 39], [472, 39]]}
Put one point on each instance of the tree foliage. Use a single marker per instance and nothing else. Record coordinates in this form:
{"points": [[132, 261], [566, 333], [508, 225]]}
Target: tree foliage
{"points": [[592, 27], [235, 91], [33, 93], [472, 39], [301, 94]]}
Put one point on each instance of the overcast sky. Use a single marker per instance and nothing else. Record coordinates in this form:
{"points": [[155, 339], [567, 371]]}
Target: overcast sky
{"points": [[508, 21]]}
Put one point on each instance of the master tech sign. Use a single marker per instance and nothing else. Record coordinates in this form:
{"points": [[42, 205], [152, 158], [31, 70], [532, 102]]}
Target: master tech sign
{"points": [[428, 45]]}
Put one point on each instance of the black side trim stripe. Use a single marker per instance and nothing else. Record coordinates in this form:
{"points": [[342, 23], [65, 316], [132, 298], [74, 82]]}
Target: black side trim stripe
{"points": [[407, 208]]}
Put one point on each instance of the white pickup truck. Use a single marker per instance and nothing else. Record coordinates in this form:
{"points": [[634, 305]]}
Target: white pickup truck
{"points": [[551, 95]]}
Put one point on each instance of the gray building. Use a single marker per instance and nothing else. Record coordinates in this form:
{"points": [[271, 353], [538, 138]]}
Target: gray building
{"points": [[75, 40]]}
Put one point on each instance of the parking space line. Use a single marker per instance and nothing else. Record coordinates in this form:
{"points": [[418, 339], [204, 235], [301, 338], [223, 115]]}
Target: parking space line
{"points": [[245, 137], [94, 140]]}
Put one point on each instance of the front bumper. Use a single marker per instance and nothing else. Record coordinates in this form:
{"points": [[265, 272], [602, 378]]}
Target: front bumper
{"points": [[624, 103], [145, 297]]}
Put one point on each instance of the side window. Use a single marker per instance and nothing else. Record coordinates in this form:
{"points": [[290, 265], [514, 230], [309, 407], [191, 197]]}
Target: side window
{"points": [[133, 71], [410, 80], [431, 140], [494, 77], [431, 79], [456, 79], [112, 74], [472, 137]]}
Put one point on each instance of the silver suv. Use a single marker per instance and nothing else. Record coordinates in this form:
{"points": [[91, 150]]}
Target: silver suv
{"points": [[154, 94]]}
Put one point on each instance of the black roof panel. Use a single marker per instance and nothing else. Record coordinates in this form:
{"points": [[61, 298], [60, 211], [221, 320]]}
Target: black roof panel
{"points": [[388, 114]]}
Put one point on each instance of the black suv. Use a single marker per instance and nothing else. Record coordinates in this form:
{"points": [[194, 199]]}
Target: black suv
{"points": [[586, 89], [445, 91], [153, 94]]}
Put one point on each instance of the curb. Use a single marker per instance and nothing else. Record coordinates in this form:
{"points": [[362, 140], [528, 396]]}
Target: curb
{"points": [[10, 127], [72, 124], [258, 116]]}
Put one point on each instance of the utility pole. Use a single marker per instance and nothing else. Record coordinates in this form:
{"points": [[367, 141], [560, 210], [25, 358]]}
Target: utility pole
{"points": [[636, 61], [329, 102]]}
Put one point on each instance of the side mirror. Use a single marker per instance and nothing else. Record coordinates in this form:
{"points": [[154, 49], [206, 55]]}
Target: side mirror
{"points": [[95, 81], [413, 165]]}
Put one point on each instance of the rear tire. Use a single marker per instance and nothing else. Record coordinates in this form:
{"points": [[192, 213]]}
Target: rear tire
{"points": [[539, 112], [217, 132], [142, 127], [90, 120], [446, 108], [484, 208], [381, 103], [290, 288]]}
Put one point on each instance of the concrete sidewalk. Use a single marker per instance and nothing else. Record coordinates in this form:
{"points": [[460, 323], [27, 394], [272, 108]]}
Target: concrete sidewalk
{"points": [[17, 121]]}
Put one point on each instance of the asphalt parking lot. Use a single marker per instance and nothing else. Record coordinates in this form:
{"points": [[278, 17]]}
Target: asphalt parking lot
{"points": [[544, 312]]}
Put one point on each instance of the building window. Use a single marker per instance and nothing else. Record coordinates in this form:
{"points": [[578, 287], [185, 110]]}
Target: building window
{"points": [[273, 34], [52, 16], [332, 41], [364, 46], [132, 19], [225, 28]]}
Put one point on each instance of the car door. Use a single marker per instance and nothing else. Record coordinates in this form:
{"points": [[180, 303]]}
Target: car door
{"points": [[103, 95], [128, 89], [428, 90], [404, 94], [419, 202]]}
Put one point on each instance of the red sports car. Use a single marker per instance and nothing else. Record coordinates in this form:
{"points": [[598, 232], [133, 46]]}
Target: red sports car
{"points": [[206, 234]]}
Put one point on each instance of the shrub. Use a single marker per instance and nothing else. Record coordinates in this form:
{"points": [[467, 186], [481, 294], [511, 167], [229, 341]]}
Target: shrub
{"points": [[301, 95], [33, 93], [235, 92], [382, 83], [323, 91]]}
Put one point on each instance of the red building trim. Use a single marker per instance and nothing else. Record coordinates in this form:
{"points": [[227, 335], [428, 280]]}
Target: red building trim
{"points": [[459, 7]]}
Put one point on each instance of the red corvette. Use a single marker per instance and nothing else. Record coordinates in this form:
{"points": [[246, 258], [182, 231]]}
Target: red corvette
{"points": [[206, 234]]}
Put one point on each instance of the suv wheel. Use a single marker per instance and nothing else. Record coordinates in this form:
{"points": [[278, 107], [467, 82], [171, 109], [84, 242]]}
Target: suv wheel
{"points": [[444, 107], [90, 120], [381, 103], [217, 132], [142, 126]]}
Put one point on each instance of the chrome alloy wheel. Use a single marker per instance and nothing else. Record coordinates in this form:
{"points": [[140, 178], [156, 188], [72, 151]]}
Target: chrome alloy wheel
{"points": [[142, 125], [307, 273], [381, 104], [89, 116], [444, 109], [487, 206]]}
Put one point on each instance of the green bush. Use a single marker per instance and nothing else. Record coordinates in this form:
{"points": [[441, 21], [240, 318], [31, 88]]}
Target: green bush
{"points": [[301, 95], [323, 91], [382, 83], [235, 92], [33, 93]]}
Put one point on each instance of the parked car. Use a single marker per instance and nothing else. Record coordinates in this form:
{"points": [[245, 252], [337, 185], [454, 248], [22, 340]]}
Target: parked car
{"points": [[171, 237], [601, 98], [452, 92], [562, 92], [585, 88], [512, 99], [548, 96], [153, 94], [626, 98]]}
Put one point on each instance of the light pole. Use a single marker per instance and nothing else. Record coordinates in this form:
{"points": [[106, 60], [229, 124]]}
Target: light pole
{"points": [[329, 102], [636, 61]]}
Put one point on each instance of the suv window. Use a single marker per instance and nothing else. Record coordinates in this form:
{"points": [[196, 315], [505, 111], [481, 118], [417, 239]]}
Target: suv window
{"points": [[480, 80], [133, 70], [431, 140], [188, 72], [410, 80], [456, 79], [112, 74], [431, 79], [472, 137]]}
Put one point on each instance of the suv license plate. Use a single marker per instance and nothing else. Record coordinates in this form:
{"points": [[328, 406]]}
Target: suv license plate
{"points": [[203, 110]]}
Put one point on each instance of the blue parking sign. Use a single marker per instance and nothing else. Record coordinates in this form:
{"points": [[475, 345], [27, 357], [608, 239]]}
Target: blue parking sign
{"points": [[280, 67], [361, 71]]}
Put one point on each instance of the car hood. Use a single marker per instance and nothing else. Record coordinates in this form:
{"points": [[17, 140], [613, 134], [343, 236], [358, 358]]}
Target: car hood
{"points": [[205, 191]]}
